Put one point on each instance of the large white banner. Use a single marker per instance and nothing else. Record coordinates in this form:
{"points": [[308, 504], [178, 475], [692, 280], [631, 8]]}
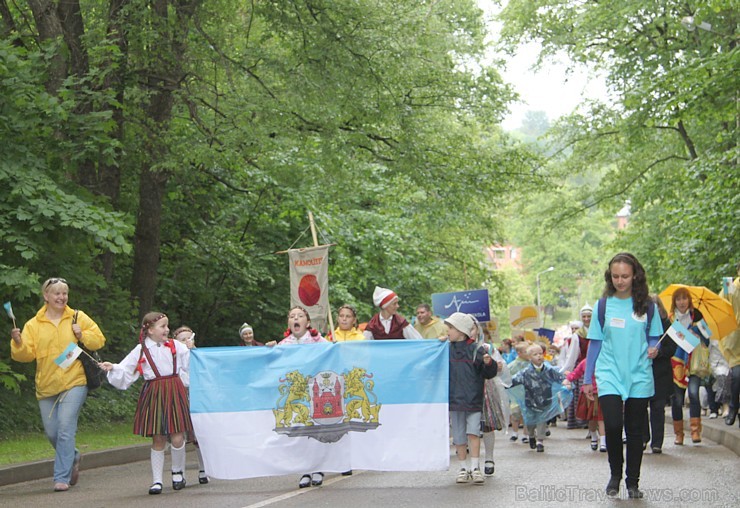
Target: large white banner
{"points": [[309, 283]]}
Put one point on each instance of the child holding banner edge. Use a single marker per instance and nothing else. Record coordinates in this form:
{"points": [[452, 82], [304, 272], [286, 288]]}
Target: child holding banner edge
{"points": [[300, 332], [470, 366]]}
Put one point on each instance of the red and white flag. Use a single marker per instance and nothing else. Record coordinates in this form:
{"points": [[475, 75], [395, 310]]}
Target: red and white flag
{"points": [[309, 282]]}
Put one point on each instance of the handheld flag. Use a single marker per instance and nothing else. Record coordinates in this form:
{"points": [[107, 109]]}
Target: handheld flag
{"points": [[9, 310], [683, 337], [68, 356], [704, 329]]}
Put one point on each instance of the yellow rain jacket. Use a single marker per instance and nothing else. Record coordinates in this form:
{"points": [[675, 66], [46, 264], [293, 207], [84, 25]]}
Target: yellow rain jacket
{"points": [[44, 341]]}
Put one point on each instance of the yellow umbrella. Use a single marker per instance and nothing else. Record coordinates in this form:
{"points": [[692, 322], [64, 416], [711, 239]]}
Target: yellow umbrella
{"points": [[716, 310]]}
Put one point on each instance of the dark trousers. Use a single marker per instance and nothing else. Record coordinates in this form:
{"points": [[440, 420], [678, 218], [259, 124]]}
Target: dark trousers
{"points": [[694, 403], [629, 415], [735, 394], [656, 422], [711, 396]]}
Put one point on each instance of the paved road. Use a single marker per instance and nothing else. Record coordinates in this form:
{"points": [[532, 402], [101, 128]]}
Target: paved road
{"points": [[568, 474]]}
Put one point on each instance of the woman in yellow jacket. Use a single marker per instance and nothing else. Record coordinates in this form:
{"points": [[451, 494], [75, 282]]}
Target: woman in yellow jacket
{"points": [[60, 392]]}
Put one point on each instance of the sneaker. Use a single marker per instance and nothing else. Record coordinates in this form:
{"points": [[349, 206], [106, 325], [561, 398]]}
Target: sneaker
{"points": [[477, 477], [540, 447], [532, 444], [75, 471], [514, 437], [713, 415], [489, 468], [463, 476]]}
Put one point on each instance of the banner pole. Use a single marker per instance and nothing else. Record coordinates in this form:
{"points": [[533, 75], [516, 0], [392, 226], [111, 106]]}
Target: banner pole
{"points": [[316, 244]]}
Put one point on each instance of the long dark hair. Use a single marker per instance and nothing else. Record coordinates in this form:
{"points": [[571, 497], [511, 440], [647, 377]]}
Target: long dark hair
{"points": [[640, 295]]}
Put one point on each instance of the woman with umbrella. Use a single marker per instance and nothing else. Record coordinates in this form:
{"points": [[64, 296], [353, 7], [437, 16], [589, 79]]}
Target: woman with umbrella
{"points": [[683, 311]]}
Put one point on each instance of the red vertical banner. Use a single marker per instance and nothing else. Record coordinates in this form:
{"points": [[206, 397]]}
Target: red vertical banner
{"points": [[309, 283]]}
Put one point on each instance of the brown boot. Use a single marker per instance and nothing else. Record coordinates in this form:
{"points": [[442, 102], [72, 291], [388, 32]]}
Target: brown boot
{"points": [[678, 430], [695, 424]]}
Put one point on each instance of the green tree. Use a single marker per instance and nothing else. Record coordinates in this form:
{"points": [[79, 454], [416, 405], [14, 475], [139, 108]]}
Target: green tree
{"points": [[670, 141]]}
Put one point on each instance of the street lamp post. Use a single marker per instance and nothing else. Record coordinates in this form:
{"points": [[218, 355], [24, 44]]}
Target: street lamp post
{"points": [[539, 308]]}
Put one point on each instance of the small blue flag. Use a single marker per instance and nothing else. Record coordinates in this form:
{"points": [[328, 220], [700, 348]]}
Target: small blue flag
{"points": [[9, 310]]}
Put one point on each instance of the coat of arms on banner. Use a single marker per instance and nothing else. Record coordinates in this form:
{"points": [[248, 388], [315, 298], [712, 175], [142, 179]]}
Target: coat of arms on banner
{"points": [[327, 405]]}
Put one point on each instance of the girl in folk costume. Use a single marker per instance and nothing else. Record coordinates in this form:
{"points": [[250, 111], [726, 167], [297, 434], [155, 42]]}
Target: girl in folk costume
{"points": [[495, 413], [300, 332], [163, 409], [589, 410], [388, 323], [347, 329]]}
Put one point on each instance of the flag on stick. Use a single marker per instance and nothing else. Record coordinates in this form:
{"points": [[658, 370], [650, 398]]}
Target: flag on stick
{"points": [[683, 337], [9, 310], [704, 329], [69, 355]]}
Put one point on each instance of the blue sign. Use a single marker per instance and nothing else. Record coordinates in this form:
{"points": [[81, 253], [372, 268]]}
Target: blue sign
{"points": [[473, 302]]}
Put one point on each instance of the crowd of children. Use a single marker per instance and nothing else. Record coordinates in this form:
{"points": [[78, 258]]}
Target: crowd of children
{"points": [[521, 387]]}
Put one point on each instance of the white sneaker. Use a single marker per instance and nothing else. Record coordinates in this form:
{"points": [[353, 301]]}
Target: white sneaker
{"points": [[713, 416], [478, 477], [463, 476]]}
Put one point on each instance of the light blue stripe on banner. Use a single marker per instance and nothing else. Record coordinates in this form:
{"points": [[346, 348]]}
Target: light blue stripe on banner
{"points": [[229, 379]]}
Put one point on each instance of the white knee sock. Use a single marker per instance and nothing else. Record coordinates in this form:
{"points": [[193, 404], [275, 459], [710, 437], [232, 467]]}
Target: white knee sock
{"points": [[178, 459], [157, 459], [489, 439], [201, 465]]}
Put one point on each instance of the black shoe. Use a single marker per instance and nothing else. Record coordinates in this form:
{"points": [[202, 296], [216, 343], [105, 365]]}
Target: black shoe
{"points": [[156, 488], [612, 488], [317, 479], [547, 433], [347, 473], [634, 493], [532, 443], [489, 468], [202, 477], [178, 480], [540, 447], [525, 439], [515, 437], [730, 418], [305, 481], [657, 450], [594, 445]]}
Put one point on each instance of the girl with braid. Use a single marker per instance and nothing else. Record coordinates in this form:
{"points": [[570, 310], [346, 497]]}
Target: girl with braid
{"points": [[163, 410]]}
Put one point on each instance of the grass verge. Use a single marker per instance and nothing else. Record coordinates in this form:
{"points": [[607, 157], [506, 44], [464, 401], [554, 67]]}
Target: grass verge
{"points": [[34, 446]]}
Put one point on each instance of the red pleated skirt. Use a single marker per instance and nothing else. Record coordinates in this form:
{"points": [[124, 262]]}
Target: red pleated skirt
{"points": [[589, 409], [163, 408]]}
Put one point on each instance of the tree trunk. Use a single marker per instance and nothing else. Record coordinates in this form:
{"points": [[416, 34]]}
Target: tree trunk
{"points": [[164, 78]]}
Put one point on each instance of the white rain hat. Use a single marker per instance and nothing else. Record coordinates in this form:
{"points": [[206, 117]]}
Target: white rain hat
{"points": [[463, 322]]}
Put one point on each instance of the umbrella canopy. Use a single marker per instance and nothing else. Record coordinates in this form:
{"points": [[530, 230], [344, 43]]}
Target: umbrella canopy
{"points": [[716, 310]]}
